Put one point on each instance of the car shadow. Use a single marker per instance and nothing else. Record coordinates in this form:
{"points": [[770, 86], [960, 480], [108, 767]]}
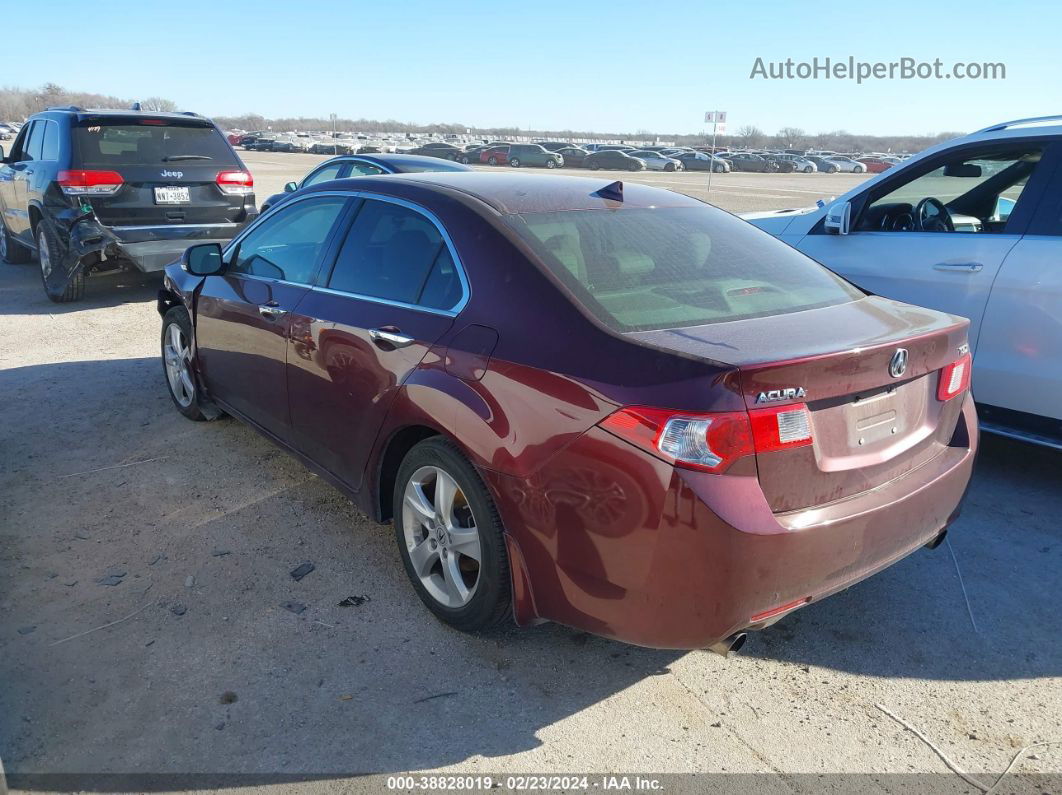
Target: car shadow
{"points": [[21, 291], [208, 656]]}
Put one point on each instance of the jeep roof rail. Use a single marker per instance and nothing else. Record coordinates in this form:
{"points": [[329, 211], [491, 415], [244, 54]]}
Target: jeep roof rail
{"points": [[74, 108], [1018, 122]]}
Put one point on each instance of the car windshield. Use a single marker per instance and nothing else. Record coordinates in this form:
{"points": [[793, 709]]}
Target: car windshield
{"points": [[102, 144], [653, 268]]}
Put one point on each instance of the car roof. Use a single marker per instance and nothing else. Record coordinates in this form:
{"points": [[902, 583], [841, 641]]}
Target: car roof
{"points": [[399, 160], [510, 193]]}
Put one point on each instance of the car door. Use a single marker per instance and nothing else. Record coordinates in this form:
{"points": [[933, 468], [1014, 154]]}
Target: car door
{"points": [[394, 290], [243, 316], [948, 270], [18, 172], [1019, 356]]}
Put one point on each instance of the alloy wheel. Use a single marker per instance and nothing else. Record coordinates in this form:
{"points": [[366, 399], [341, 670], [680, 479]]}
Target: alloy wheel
{"points": [[44, 254], [177, 355], [441, 536]]}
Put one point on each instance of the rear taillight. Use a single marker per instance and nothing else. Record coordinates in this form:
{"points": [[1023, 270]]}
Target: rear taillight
{"points": [[81, 183], [955, 378], [711, 442], [235, 183], [781, 427]]}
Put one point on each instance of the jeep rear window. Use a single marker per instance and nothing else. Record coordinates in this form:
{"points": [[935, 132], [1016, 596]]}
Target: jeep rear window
{"points": [[643, 269], [102, 144]]}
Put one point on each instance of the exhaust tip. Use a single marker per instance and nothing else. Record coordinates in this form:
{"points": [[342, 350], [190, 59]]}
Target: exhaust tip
{"points": [[727, 645]]}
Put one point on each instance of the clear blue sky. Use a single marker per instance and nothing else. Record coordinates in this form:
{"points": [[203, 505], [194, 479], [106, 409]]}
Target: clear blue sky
{"points": [[620, 66]]}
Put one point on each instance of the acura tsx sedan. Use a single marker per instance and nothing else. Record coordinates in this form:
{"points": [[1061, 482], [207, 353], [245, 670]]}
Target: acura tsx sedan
{"points": [[590, 402]]}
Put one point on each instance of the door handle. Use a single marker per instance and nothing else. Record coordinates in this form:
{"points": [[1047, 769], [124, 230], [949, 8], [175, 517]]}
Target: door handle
{"points": [[968, 267], [271, 311], [390, 337]]}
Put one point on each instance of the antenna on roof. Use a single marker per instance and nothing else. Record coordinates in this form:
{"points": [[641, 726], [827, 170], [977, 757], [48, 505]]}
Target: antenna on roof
{"points": [[612, 191]]}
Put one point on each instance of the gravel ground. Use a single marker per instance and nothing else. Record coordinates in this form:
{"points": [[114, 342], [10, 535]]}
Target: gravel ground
{"points": [[198, 526]]}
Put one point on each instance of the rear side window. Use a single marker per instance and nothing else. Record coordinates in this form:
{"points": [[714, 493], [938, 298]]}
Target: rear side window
{"points": [[396, 254], [100, 143], [50, 148], [645, 269]]}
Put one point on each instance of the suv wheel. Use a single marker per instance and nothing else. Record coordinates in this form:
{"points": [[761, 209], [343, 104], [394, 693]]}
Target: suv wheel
{"points": [[492, 161], [61, 291], [514, 162], [594, 165], [450, 537], [551, 163], [177, 366], [10, 250]]}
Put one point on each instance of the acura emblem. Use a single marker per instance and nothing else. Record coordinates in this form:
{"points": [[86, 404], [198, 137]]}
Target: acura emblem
{"points": [[898, 365]]}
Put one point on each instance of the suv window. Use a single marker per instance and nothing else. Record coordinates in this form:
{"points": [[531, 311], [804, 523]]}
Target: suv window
{"points": [[105, 143], [287, 245], [643, 269], [35, 143], [50, 148], [979, 189], [397, 254]]}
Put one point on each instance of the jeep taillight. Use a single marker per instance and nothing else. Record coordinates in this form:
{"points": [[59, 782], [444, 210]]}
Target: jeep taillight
{"points": [[955, 378], [89, 183], [235, 183], [711, 442]]}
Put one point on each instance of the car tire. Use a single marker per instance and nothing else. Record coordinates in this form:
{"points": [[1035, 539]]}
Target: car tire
{"points": [[669, 167], [592, 165], [176, 345], [831, 170], [467, 594], [11, 250], [551, 164], [859, 170], [73, 289], [514, 162], [464, 159], [492, 161], [807, 169], [634, 167]]}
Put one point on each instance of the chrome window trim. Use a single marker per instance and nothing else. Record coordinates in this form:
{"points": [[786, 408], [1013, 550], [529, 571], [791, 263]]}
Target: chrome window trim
{"points": [[174, 226], [466, 289]]}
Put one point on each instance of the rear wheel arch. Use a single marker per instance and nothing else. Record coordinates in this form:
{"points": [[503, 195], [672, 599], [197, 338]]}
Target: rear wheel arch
{"points": [[394, 452], [35, 216]]}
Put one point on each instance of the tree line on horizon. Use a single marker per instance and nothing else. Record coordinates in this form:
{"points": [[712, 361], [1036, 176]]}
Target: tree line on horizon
{"points": [[17, 104]]}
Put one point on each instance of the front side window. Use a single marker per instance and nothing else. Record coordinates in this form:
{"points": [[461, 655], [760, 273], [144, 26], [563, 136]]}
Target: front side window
{"points": [[323, 174], [968, 192], [396, 254], [288, 244], [35, 143], [653, 268]]}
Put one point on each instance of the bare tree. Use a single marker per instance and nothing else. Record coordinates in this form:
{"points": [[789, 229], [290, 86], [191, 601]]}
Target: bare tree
{"points": [[158, 105], [750, 135], [791, 137]]}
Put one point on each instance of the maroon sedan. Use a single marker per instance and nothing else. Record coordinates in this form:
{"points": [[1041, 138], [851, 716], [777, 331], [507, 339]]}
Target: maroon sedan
{"points": [[601, 404]]}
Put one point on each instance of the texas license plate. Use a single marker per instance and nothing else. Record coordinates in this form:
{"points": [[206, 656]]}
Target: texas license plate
{"points": [[172, 195]]}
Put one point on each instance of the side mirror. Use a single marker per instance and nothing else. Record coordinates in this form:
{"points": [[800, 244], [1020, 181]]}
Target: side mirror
{"points": [[203, 260], [838, 219], [291, 187]]}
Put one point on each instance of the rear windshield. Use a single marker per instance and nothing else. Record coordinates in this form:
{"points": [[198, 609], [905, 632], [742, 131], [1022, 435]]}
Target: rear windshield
{"points": [[99, 144], [647, 269]]}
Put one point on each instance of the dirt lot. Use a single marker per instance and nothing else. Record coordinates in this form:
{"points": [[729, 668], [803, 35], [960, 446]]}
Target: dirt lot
{"points": [[198, 525]]}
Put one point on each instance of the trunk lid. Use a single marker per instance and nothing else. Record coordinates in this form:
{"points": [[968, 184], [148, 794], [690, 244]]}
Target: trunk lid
{"points": [[868, 426]]}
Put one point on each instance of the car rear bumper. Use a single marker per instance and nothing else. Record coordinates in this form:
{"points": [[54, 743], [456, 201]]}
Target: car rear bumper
{"points": [[152, 248], [611, 540]]}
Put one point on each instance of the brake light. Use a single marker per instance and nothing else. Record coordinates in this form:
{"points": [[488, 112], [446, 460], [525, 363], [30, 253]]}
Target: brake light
{"points": [[708, 442], [955, 378], [81, 182], [235, 183], [780, 427], [711, 442]]}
